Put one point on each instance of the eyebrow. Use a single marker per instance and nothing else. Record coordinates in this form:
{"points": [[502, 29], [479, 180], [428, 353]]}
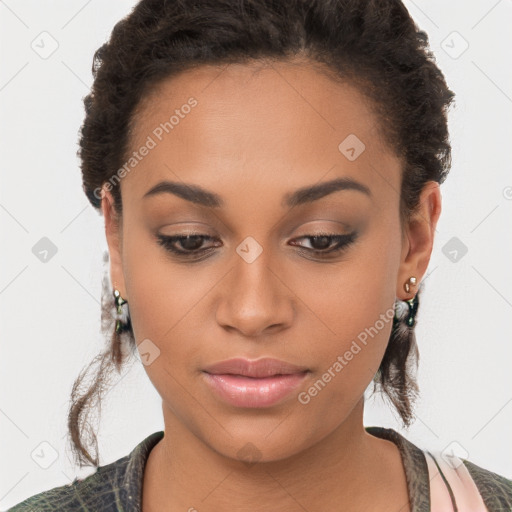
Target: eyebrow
{"points": [[304, 195]]}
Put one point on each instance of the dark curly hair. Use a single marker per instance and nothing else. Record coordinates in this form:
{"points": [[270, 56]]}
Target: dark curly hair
{"points": [[372, 44]]}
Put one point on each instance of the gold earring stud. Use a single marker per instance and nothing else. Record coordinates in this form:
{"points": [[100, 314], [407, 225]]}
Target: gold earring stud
{"points": [[410, 282]]}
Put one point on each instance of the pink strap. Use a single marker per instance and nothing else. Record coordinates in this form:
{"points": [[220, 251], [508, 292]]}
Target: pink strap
{"points": [[466, 494]]}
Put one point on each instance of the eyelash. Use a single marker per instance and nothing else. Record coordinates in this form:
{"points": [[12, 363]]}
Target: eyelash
{"points": [[343, 242]]}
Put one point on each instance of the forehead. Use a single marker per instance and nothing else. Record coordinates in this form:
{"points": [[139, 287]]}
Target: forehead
{"points": [[241, 123]]}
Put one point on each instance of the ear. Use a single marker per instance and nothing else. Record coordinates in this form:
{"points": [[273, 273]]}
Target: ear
{"points": [[419, 239], [114, 235]]}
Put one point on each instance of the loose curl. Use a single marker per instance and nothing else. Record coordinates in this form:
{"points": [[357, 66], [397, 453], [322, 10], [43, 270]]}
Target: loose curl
{"points": [[372, 44]]}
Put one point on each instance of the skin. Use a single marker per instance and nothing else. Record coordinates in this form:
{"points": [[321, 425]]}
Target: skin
{"points": [[256, 134]]}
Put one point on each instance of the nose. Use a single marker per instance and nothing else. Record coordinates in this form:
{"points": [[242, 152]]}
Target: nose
{"points": [[255, 298]]}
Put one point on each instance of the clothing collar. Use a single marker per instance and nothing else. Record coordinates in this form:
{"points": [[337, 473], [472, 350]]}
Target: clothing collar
{"points": [[413, 459]]}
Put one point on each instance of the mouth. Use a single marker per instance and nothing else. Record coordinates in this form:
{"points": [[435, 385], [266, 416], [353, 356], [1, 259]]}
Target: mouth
{"points": [[261, 383]]}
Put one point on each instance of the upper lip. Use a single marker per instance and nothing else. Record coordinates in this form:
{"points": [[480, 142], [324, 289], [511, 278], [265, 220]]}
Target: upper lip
{"points": [[264, 367]]}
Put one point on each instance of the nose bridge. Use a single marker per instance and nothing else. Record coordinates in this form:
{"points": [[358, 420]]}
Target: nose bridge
{"points": [[254, 299]]}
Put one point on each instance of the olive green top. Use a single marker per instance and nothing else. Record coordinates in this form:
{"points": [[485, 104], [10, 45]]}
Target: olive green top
{"points": [[118, 486]]}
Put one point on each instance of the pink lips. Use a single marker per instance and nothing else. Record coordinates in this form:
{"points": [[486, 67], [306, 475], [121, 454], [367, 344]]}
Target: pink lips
{"points": [[259, 383]]}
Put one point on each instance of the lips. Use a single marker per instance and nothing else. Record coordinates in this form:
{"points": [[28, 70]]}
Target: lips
{"points": [[261, 383], [259, 368]]}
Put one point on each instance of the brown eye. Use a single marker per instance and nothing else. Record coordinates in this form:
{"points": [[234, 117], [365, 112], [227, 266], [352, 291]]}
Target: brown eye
{"points": [[328, 243], [185, 244]]}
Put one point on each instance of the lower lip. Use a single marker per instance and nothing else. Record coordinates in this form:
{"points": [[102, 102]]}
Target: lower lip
{"points": [[250, 392]]}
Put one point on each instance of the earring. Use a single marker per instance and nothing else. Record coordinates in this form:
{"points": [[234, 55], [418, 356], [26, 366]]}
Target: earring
{"points": [[413, 308], [412, 303], [410, 282], [119, 301]]}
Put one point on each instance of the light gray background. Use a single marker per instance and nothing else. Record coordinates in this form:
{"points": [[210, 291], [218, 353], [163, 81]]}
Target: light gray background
{"points": [[50, 312]]}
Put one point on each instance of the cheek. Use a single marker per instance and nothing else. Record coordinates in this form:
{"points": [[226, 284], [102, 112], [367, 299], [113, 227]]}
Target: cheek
{"points": [[145, 283], [160, 298], [158, 293], [167, 300], [353, 307], [356, 329]]}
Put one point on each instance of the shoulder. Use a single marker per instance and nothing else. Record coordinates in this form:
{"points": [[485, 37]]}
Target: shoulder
{"points": [[112, 487], [94, 492], [495, 489]]}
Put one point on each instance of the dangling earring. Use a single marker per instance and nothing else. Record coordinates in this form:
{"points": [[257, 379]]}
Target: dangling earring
{"points": [[412, 303], [121, 326], [119, 301]]}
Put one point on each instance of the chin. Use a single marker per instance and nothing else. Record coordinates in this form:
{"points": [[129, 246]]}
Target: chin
{"points": [[252, 443]]}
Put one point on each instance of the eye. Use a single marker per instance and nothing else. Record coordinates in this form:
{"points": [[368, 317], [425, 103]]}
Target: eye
{"points": [[191, 244], [327, 243]]}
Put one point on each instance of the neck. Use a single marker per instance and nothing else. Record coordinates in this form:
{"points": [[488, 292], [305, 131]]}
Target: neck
{"points": [[337, 473]]}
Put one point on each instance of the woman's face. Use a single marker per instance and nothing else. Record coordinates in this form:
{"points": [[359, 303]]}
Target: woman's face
{"points": [[252, 139]]}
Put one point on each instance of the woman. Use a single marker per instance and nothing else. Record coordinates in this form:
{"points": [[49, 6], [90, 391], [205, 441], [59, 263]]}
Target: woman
{"points": [[269, 177]]}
